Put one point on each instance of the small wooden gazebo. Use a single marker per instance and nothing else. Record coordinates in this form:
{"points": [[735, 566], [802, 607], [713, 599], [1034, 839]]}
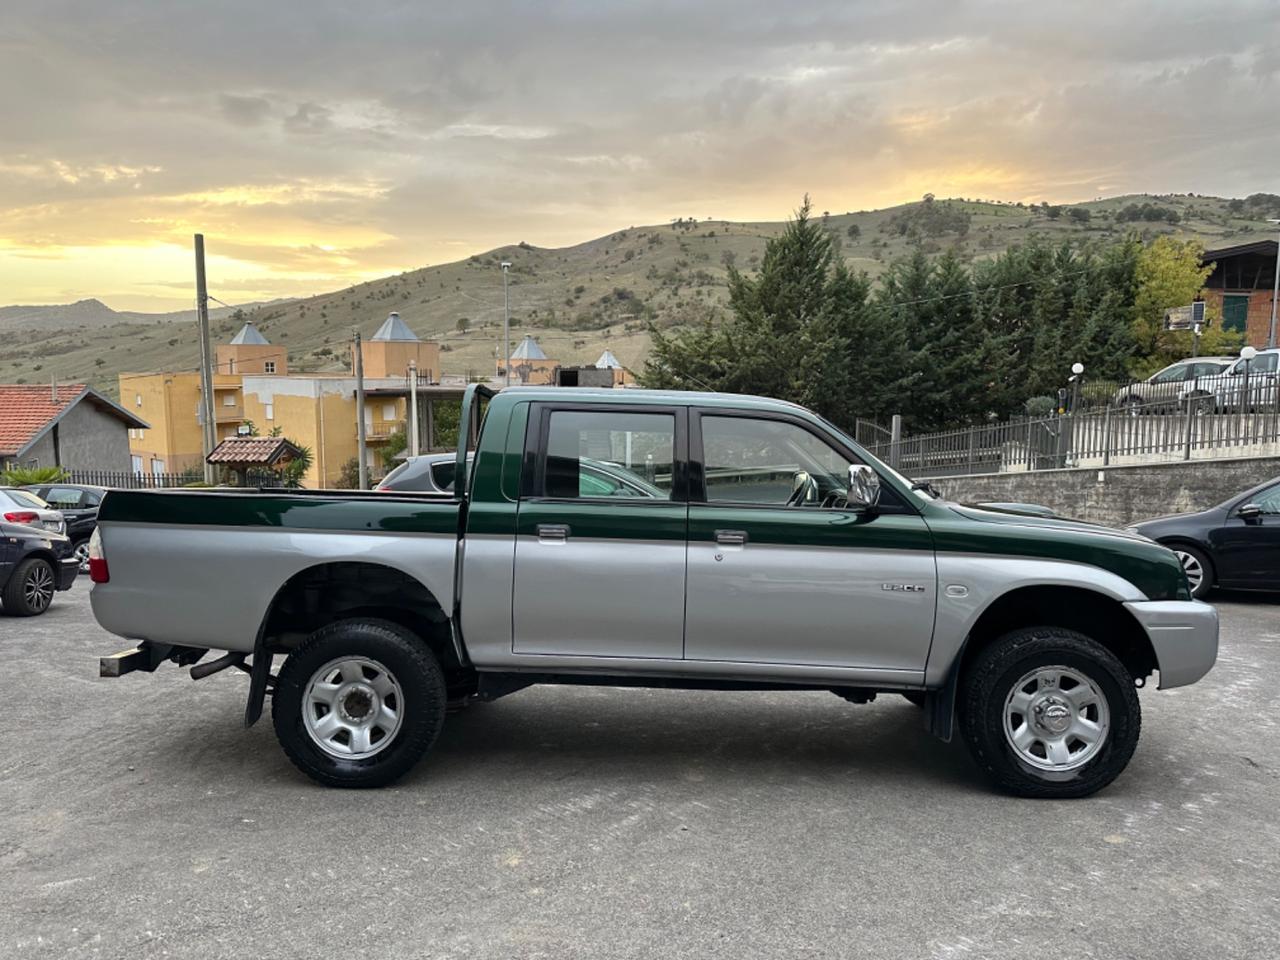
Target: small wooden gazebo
{"points": [[242, 454]]}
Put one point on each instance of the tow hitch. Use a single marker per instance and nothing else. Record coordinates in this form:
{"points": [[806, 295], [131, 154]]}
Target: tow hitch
{"points": [[145, 656]]}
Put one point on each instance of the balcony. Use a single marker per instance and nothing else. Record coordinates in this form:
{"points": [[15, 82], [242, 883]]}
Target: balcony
{"points": [[378, 429]]}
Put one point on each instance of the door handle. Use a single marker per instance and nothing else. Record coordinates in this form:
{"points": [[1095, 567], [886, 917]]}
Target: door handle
{"points": [[731, 538], [554, 532]]}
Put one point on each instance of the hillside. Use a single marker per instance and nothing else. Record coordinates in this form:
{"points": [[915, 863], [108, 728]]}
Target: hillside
{"points": [[578, 300]]}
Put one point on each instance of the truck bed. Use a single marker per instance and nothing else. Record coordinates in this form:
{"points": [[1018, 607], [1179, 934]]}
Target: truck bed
{"points": [[207, 563]]}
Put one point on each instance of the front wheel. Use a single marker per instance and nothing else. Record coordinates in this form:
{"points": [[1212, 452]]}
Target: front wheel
{"points": [[358, 703], [1049, 712], [1198, 568], [30, 588]]}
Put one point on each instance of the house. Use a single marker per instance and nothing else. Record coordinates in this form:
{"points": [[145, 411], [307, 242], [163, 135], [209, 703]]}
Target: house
{"points": [[394, 346], [66, 425], [1241, 286], [250, 352], [607, 371], [529, 365]]}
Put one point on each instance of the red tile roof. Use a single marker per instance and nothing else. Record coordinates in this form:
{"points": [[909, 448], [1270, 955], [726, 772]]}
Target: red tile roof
{"points": [[25, 410], [28, 410], [265, 450]]}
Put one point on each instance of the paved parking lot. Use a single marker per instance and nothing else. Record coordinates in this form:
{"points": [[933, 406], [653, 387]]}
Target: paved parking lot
{"points": [[141, 820]]}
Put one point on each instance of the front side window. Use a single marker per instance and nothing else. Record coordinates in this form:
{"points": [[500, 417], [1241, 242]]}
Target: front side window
{"points": [[1171, 374], [1269, 500], [611, 455], [762, 461]]}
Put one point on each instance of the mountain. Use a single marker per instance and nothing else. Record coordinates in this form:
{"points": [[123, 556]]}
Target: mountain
{"points": [[579, 300], [88, 314]]}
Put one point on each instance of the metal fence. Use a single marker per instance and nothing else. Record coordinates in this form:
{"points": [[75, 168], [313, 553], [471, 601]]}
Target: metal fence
{"points": [[122, 480], [1240, 418]]}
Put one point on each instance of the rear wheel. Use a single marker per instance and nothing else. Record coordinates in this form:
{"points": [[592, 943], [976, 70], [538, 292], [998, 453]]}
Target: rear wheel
{"points": [[80, 549], [1198, 567], [30, 588], [1049, 713], [358, 703]]}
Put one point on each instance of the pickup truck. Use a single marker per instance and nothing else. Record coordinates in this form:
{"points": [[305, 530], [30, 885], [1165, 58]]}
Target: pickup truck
{"points": [[772, 553]]}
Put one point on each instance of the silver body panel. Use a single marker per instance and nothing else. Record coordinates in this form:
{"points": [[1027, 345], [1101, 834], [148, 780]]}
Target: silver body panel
{"points": [[211, 586], [599, 597], [1184, 634], [812, 606]]}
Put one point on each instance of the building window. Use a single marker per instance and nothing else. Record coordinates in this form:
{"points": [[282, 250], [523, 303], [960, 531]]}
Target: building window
{"points": [[137, 400], [388, 411], [137, 464], [271, 410], [269, 366], [229, 400], [157, 467], [1235, 312]]}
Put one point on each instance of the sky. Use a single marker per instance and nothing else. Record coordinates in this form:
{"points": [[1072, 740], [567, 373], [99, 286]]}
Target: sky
{"points": [[320, 143]]}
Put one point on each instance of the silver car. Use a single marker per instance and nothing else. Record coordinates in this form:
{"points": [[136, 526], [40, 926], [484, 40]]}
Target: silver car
{"points": [[1229, 389], [1175, 384], [22, 506]]}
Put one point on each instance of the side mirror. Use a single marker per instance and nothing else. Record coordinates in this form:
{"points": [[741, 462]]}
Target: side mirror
{"points": [[1250, 511], [864, 487]]}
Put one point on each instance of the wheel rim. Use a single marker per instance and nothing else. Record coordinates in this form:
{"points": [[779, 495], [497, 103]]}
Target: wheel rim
{"points": [[1056, 719], [37, 590], [1193, 567], [82, 555], [352, 708]]}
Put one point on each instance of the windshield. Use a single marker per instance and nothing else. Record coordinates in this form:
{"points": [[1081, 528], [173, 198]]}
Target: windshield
{"points": [[24, 499]]}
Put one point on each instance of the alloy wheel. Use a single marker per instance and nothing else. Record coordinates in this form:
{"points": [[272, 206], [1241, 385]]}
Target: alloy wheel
{"points": [[1194, 569], [37, 589]]}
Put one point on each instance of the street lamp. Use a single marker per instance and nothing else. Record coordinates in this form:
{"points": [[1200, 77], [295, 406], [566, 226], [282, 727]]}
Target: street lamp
{"points": [[1275, 291], [1247, 353], [506, 325], [1077, 370]]}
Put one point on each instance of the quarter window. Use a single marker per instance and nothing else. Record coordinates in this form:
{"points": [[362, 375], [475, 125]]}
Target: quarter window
{"points": [[605, 454], [760, 461]]}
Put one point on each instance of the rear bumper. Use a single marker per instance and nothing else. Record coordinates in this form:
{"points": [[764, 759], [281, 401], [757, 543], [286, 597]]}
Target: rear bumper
{"points": [[1184, 635]]}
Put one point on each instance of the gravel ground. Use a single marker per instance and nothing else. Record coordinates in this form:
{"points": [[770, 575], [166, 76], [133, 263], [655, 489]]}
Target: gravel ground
{"points": [[141, 820]]}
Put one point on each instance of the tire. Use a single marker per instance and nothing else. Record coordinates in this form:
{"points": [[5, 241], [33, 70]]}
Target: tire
{"points": [[1049, 763], [30, 588], [373, 664], [81, 551], [1198, 567]]}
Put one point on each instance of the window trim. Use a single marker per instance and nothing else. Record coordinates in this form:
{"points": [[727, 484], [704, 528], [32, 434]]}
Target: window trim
{"points": [[533, 469], [697, 467]]}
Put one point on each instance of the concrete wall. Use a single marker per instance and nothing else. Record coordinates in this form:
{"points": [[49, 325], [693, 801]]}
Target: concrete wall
{"points": [[1117, 496], [84, 439]]}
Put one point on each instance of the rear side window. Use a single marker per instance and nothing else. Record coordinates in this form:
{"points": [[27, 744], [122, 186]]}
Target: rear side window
{"points": [[62, 498], [443, 473], [410, 475], [609, 455]]}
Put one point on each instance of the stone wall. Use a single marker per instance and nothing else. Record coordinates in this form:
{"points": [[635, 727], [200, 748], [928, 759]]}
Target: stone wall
{"points": [[1121, 495]]}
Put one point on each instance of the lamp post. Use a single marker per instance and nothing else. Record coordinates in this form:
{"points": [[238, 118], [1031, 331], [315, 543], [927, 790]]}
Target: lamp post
{"points": [[506, 326], [1247, 354], [1077, 370], [1275, 291]]}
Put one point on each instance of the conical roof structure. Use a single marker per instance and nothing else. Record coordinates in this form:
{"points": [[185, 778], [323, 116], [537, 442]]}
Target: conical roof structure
{"points": [[393, 328], [249, 335], [608, 361], [528, 350]]}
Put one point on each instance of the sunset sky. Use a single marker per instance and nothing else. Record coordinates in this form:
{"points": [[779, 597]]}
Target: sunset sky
{"points": [[321, 143]]}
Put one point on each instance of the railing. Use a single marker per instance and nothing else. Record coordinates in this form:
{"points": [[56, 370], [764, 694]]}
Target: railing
{"points": [[379, 429], [1233, 417], [121, 480]]}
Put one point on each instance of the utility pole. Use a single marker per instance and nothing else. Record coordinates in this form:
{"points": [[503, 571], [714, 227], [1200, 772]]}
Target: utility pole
{"points": [[413, 408], [506, 326], [206, 362], [361, 441], [1275, 292]]}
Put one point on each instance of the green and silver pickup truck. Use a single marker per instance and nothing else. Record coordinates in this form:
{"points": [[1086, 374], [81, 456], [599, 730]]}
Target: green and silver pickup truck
{"points": [[659, 539]]}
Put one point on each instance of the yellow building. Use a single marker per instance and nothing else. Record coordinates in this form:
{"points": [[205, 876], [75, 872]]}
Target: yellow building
{"points": [[317, 411]]}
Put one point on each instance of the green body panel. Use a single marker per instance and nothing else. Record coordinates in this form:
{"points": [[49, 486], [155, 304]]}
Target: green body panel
{"points": [[336, 511], [811, 527], [1151, 568], [623, 519]]}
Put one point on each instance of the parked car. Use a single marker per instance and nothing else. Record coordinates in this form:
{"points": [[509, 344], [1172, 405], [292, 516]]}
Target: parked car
{"points": [[434, 472], [1229, 388], [34, 564], [1174, 385], [78, 504], [1029, 635], [1235, 544], [22, 506]]}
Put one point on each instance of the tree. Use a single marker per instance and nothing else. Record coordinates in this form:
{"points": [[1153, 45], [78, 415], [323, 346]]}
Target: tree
{"points": [[1169, 274], [853, 231]]}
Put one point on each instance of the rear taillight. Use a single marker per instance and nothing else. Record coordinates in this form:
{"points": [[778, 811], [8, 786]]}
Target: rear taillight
{"points": [[22, 516], [98, 571]]}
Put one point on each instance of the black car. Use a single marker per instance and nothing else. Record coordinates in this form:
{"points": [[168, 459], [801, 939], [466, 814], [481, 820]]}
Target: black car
{"points": [[78, 503], [34, 563], [1234, 545]]}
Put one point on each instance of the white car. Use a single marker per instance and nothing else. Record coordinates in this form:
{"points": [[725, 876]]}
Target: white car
{"points": [[22, 506], [1262, 381], [1172, 386]]}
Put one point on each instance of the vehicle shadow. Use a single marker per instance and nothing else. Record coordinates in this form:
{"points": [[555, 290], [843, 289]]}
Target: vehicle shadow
{"points": [[619, 734], [1255, 597]]}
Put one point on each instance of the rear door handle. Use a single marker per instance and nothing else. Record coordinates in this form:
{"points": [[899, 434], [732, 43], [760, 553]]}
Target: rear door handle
{"points": [[731, 538], [554, 532]]}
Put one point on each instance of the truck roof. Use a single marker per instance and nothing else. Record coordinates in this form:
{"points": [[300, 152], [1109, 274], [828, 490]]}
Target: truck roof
{"points": [[697, 398]]}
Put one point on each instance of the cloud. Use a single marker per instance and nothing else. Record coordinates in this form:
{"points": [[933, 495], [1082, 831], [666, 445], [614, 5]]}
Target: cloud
{"points": [[352, 142]]}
